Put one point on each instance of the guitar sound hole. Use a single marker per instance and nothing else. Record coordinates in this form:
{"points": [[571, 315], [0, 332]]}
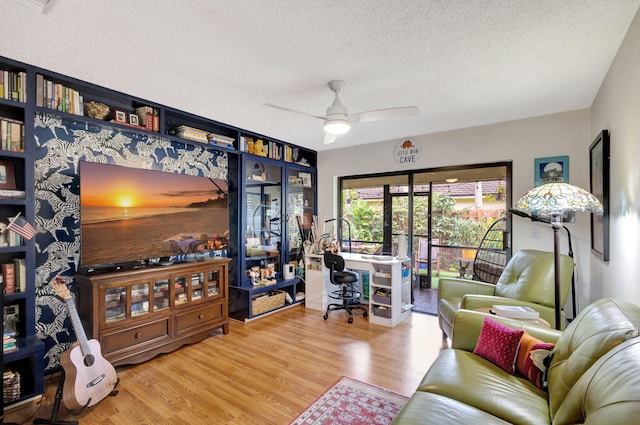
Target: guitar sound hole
{"points": [[89, 360]]}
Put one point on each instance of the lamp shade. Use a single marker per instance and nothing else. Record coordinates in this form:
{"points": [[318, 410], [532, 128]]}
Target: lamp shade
{"points": [[337, 126], [556, 198]]}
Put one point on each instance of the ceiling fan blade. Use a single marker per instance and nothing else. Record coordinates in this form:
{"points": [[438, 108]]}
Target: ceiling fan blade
{"points": [[384, 114], [329, 138], [295, 111]]}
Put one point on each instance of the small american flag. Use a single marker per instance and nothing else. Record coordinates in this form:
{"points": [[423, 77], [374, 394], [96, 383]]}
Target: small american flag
{"points": [[22, 227]]}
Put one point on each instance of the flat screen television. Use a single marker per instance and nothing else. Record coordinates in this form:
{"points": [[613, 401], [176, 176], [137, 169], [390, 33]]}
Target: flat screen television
{"points": [[130, 215]]}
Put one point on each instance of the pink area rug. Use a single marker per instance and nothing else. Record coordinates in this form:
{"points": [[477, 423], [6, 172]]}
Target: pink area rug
{"points": [[352, 402]]}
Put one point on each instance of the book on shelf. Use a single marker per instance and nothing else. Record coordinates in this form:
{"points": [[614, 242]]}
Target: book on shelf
{"points": [[191, 133], [58, 96], [11, 320], [20, 268], [13, 85], [8, 277], [149, 117], [9, 344], [11, 135], [516, 312], [12, 193]]}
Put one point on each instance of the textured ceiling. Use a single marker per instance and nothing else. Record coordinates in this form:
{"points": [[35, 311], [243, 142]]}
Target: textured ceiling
{"points": [[462, 62]]}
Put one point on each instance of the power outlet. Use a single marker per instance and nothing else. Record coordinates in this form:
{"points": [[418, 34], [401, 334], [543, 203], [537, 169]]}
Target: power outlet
{"points": [[535, 233]]}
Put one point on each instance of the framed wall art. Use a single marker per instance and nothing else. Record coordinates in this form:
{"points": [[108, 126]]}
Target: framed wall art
{"points": [[599, 187], [551, 169], [7, 176]]}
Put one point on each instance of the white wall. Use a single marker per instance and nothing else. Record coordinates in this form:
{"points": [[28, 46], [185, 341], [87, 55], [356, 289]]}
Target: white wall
{"points": [[617, 108], [518, 141]]}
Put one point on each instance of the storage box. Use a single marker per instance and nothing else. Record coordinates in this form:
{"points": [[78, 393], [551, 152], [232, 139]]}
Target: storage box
{"points": [[382, 312], [266, 301], [382, 278], [382, 296]]}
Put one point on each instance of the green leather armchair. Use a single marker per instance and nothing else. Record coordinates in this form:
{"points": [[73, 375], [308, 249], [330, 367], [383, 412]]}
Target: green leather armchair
{"points": [[527, 280]]}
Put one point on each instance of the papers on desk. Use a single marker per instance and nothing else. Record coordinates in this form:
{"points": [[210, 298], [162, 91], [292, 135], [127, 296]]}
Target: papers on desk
{"points": [[516, 312]]}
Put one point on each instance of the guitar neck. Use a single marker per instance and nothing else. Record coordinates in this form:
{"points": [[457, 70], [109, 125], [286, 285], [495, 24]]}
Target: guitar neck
{"points": [[77, 326]]}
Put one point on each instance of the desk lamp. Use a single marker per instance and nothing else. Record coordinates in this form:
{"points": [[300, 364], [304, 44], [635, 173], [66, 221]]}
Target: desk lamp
{"points": [[552, 200]]}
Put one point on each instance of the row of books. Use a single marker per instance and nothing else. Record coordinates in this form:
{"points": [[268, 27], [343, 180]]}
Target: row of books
{"points": [[293, 155], [149, 118], [13, 85], [9, 237], [14, 276], [203, 136], [58, 96], [219, 140], [260, 147], [10, 386], [9, 344], [11, 135]]}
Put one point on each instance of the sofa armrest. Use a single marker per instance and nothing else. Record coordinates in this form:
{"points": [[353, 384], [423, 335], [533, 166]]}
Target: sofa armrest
{"points": [[472, 302], [453, 287], [467, 325]]}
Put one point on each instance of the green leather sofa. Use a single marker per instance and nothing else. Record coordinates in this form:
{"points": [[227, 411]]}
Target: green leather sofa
{"points": [[593, 377], [527, 280]]}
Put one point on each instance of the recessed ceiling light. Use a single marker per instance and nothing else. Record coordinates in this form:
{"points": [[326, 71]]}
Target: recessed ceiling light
{"points": [[451, 180]]}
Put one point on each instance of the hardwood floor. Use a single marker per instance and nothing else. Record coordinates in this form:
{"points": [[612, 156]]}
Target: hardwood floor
{"points": [[263, 372]]}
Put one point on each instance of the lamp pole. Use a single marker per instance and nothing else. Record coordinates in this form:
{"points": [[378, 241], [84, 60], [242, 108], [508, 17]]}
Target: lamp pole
{"points": [[556, 223]]}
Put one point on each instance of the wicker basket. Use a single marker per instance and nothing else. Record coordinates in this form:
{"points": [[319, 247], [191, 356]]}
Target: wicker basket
{"points": [[261, 304]]}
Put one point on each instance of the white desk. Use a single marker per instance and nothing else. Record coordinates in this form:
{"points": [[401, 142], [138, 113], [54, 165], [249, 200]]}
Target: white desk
{"points": [[384, 273]]}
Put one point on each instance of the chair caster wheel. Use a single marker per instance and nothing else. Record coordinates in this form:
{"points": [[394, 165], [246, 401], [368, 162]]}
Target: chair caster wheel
{"points": [[326, 316], [365, 314], [350, 320]]}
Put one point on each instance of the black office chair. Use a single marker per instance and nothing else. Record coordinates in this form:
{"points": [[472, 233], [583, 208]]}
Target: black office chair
{"points": [[348, 294]]}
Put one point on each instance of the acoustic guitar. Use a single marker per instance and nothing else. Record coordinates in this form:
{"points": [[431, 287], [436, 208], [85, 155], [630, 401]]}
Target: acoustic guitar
{"points": [[88, 376]]}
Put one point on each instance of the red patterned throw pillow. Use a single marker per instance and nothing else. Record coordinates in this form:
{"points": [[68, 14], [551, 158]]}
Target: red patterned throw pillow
{"points": [[499, 344], [531, 357]]}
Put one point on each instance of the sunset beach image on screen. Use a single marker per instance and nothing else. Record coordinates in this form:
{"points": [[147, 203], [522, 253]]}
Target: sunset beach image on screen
{"points": [[130, 214]]}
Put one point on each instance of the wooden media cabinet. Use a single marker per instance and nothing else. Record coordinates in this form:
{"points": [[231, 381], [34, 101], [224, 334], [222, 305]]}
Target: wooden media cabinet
{"points": [[138, 314]]}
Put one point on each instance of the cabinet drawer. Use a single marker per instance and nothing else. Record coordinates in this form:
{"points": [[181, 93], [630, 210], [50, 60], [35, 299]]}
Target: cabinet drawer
{"points": [[130, 337], [191, 318]]}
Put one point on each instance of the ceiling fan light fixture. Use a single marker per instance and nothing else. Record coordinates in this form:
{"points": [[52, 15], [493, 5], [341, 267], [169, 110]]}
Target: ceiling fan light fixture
{"points": [[337, 126]]}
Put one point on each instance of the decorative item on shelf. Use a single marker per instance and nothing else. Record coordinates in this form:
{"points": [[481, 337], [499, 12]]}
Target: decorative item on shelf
{"points": [[133, 119], [254, 275], [259, 148], [258, 172], [119, 116], [305, 178], [553, 200], [268, 275], [96, 110], [22, 227]]}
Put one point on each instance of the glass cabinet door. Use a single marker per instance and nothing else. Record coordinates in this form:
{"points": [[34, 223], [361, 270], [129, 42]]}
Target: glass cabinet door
{"points": [[212, 283], [263, 226], [161, 294], [300, 210], [115, 304], [180, 289], [197, 286], [139, 299]]}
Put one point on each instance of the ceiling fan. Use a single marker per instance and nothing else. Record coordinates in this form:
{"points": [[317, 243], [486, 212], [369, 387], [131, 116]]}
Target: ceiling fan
{"points": [[338, 121]]}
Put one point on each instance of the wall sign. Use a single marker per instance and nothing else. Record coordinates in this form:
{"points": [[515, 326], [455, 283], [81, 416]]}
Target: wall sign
{"points": [[407, 152]]}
